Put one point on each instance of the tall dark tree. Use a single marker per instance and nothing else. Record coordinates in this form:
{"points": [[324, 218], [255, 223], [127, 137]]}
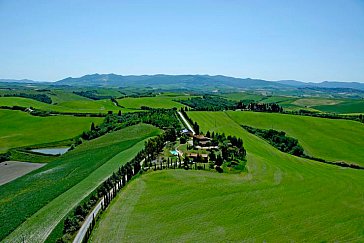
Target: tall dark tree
{"points": [[93, 126]]}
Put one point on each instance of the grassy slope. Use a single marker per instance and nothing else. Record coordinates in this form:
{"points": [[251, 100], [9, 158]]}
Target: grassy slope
{"points": [[282, 198], [77, 106], [355, 106], [334, 140], [44, 196], [21, 129], [154, 102]]}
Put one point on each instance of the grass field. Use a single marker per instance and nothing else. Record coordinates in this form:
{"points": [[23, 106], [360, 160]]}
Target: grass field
{"points": [[282, 198], [21, 129], [31, 206], [76, 106], [333, 140], [354, 106], [161, 101]]}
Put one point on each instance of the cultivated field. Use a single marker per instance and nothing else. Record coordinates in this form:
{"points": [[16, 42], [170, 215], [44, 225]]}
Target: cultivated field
{"points": [[21, 129], [281, 198], [10, 170], [35, 203]]}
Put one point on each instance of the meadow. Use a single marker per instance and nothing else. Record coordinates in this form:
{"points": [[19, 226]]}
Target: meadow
{"points": [[32, 205], [333, 140], [20, 129], [71, 106], [345, 107], [280, 198]]}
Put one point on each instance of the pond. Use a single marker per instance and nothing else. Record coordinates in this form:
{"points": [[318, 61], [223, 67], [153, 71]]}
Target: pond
{"points": [[51, 151]]}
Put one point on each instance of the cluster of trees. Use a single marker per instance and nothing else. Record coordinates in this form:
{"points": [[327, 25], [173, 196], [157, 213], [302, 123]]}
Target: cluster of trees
{"points": [[39, 97], [194, 125], [139, 94], [162, 118], [15, 108], [92, 94], [4, 157], [215, 103], [279, 140], [232, 148], [209, 103], [154, 146], [264, 107]]}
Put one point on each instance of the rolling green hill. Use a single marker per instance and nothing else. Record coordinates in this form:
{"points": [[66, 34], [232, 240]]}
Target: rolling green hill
{"points": [[76, 106], [352, 106], [21, 129], [35, 203], [333, 140], [281, 198]]}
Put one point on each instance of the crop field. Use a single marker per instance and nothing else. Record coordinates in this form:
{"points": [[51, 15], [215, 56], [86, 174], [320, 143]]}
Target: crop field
{"points": [[333, 140], [162, 101], [10, 170], [280, 198], [21, 129], [32, 205], [309, 102]]}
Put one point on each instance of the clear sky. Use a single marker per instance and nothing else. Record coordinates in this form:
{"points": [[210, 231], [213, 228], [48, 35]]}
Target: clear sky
{"points": [[273, 40]]}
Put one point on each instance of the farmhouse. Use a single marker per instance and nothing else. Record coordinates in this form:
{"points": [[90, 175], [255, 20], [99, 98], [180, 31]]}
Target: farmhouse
{"points": [[198, 157], [201, 140]]}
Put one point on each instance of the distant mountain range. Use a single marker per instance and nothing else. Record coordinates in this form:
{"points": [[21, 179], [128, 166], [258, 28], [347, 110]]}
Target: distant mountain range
{"points": [[163, 81], [325, 84], [24, 81], [190, 82]]}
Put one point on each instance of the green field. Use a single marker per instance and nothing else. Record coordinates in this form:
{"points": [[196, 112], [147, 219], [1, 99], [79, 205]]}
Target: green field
{"points": [[353, 106], [282, 198], [75, 106], [21, 129], [32, 205], [161, 101], [333, 140]]}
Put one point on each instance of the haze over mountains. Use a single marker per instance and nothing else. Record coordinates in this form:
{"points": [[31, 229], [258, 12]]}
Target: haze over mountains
{"points": [[189, 82]]}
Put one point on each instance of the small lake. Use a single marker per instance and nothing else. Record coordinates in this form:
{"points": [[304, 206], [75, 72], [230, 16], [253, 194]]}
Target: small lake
{"points": [[51, 151]]}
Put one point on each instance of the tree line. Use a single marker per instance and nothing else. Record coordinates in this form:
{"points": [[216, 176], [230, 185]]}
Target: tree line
{"points": [[278, 139], [39, 97], [359, 118], [92, 94]]}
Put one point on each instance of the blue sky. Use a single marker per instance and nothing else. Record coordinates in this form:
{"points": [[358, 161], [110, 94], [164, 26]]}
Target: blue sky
{"points": [[273, 40]]}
